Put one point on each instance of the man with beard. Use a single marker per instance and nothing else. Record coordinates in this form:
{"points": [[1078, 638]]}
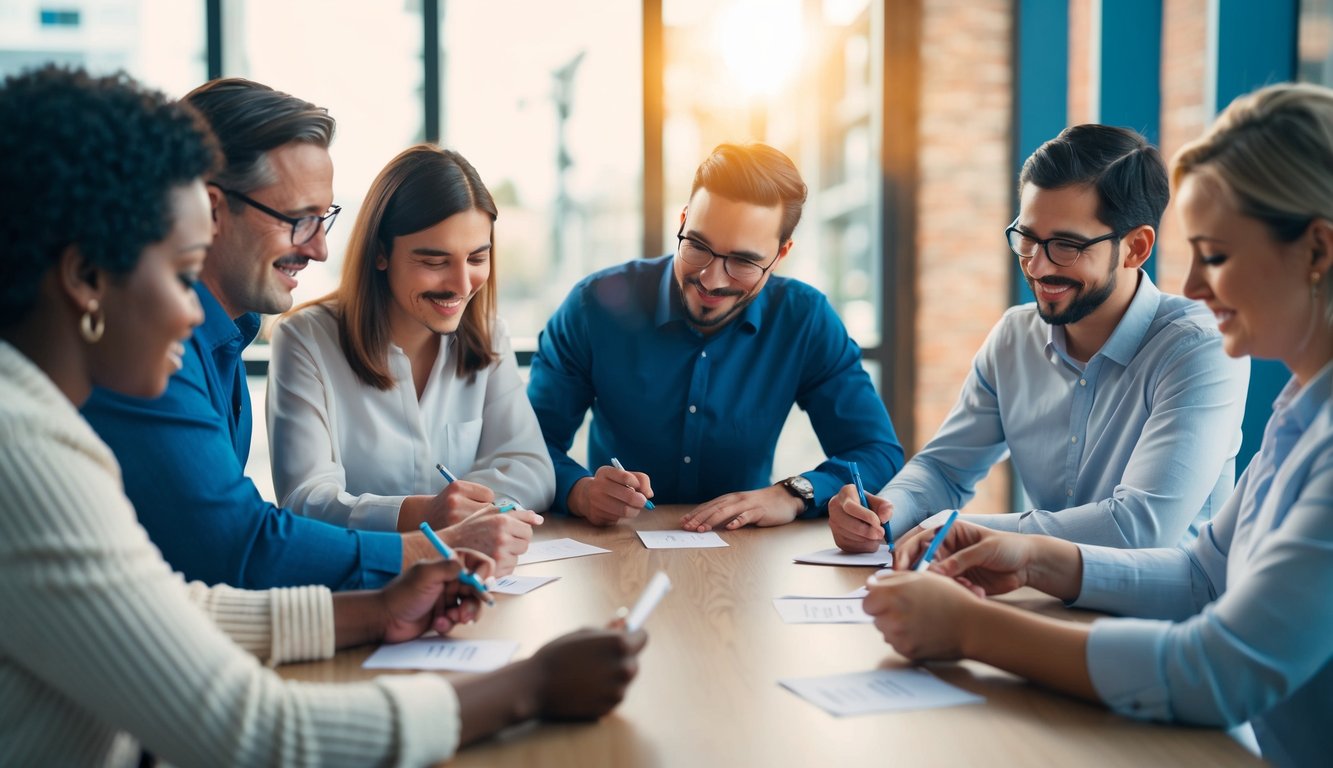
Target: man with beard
{"points": [[1115, 402], [691, 363]]}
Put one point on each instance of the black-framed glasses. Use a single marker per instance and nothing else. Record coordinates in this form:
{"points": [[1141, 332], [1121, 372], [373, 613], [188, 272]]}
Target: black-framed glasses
{"points": [[303, 227], [737, 267], [1062, 251]]}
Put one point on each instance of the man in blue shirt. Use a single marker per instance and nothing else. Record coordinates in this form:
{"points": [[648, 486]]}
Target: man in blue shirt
{"points": [[183, 456], [1115, 402], [692, 362]]}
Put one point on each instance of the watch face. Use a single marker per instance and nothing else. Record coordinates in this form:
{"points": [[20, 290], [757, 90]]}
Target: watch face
{"points": [[800, 486]]}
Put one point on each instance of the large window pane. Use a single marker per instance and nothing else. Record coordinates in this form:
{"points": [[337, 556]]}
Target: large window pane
{"points": [[545, 99], [159, 42]]}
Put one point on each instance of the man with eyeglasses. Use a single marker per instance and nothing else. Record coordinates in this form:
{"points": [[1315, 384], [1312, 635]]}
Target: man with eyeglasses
{"points": [[183, 455], [692, 362], [1115, 402]]}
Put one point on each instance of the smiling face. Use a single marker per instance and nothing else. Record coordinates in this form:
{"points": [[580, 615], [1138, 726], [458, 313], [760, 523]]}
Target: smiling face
{"points": [[1257, 287], [433, 275], [253, 264], [1066, 295], [711, 297], [150, 312]]}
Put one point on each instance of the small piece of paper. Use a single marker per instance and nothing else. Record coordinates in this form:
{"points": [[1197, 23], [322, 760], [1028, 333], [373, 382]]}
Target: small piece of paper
{"points": [[857, 593], [557, 549], [821, 610], [443, 653], [681, 539], [935, 520], [879, 690], [835, 556], [513, 584]]}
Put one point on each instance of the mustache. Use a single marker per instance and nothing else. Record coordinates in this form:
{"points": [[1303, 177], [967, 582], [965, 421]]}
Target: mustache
{"points": [[717, 292], [1058, 281]]}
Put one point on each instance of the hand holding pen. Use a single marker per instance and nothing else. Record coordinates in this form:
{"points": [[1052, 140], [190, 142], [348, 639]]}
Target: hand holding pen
{"points": [[467, 577], [859, 521], [611, 495]]}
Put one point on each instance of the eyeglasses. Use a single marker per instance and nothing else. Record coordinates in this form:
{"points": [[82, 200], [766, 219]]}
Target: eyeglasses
{"points": [[738, 268], [303, 227], [1062, 251]]}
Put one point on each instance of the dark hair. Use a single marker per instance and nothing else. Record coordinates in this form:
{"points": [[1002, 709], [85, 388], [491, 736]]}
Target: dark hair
{"points": [[1127, 172], [418, 189], [754, 173], [249, 119], [89, 162]]}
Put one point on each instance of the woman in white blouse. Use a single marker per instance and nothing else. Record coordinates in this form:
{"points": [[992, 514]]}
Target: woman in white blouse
{"points": [[1238, 625], [405, 366], [104, 652]]}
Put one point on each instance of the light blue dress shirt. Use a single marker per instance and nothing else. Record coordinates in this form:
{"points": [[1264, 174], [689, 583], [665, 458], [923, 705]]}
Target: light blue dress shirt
{"points": [[1242, 623], [1135, 448]]}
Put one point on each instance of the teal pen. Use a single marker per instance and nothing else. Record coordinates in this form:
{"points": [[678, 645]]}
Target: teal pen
{"points": [[467, 576], [861, 493], [935, 542], [445, 473], [647, 502]]}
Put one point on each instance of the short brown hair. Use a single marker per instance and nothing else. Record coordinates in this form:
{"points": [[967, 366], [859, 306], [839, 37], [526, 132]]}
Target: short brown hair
{"points": [[754, 173]]}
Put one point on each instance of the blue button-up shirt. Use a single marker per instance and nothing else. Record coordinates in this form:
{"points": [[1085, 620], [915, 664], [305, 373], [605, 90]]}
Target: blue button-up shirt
{"points": [[701, 414], [183, 459], [1254, 632], [1135, 448]]}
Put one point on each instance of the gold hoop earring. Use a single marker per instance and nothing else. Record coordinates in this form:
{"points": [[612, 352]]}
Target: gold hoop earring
{"points": [[92, 325]]}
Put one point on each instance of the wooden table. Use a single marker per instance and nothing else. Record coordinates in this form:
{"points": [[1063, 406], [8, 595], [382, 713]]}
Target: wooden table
{"points": [[707, 692]]}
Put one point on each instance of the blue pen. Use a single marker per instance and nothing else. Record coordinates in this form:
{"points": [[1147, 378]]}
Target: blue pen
{"points": [[446, 474], [861, 492], [935, 542], [647, 503], [504, 504], [467, 576]]}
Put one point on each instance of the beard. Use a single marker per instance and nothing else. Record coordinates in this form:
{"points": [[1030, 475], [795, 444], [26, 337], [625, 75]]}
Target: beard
{"points": [[712, 318], [1085, 301]]}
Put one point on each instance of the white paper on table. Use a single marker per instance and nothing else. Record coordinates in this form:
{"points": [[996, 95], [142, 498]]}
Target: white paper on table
{"points": [[513, 584], [681, 539], [557, 549], [821, 610], [857, 593], [835, 556], [443, 653], [878, 690], [935, 520]]}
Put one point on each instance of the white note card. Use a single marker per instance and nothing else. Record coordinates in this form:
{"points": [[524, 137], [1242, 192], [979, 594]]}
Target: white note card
{"points": [[681, 539], [879, 690], [513, 584], [835, 556], [821, 610], [443, 653], [557, 549]]}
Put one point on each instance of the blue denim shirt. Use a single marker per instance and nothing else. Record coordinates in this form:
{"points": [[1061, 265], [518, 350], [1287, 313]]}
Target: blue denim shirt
{"points": [[701, 414], [1238, 625], [183, 460]]}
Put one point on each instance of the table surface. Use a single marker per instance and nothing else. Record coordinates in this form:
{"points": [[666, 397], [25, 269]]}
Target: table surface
{"points": [[707, 691]]}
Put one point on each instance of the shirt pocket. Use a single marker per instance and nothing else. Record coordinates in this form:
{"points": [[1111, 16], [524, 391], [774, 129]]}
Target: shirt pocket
{"points": [[461, 439]]}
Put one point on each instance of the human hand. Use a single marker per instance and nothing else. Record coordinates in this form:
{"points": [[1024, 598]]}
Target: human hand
{"points": [[986, 561], [922, 615], [428, 595], [585, 674], [764, 507], [857, 528], [502, 535], [458, 501], [610, 495]]}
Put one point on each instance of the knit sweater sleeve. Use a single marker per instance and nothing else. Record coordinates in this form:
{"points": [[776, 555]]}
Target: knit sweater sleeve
{"points": [[102, 639]]}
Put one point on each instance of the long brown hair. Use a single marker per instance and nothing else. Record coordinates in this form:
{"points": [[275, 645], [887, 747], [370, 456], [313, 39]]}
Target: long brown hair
{"points": [[418, 189]]}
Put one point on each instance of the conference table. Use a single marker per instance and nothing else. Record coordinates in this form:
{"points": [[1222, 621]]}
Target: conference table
{"points": [[707, 691]]}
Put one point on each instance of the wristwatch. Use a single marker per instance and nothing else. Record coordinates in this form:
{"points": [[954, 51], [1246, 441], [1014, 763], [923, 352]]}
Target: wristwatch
{"points": [[801, 488]]}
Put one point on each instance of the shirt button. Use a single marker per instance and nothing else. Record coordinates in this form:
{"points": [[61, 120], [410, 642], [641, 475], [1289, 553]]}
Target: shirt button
{"points": [[693, 409], [1074, 439], [687, 459], [1069, 491], [703, 354], [1083, 382]]}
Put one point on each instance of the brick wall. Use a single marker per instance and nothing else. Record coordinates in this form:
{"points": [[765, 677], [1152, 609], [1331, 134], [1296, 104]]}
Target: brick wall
{"points": [[1184, 51], [966, 187]]}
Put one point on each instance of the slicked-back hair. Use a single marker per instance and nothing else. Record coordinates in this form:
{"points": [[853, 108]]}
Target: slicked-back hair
{"points": [[1127, 172], [87, 162], [421, 187], [754, 173], [250, 119]]}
